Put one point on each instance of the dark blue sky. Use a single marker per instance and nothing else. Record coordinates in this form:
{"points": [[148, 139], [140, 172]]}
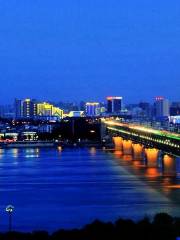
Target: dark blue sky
{"points": [[87, 49]]}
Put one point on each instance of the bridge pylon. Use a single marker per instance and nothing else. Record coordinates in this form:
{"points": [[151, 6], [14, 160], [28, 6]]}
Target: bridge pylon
{"points": [[118, 142], [127, 147], [169, 165], [152, 155], [137, 151]]}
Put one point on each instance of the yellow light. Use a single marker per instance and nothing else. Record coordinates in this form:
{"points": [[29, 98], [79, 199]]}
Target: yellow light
{"points": [[59, 148]]}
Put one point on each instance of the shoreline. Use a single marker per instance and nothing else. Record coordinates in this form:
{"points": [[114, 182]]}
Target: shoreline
{"points": [[161, 226], [52, 144]]}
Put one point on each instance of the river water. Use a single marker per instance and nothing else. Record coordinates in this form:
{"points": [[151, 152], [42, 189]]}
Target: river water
{"points": [[52, 189]]}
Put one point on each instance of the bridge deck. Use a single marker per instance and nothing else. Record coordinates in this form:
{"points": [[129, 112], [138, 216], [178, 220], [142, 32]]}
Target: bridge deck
{"points": [[163, 140]]}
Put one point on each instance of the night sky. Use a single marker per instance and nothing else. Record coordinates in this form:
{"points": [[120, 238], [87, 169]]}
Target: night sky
{"points": [[88, 49]]}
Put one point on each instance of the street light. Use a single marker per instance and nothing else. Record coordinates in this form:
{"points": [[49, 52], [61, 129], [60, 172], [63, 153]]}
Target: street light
{"points": [[9, 210]]}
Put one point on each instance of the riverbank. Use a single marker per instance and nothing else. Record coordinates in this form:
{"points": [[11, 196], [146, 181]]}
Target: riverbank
{"points": [[30, 144], [51, 144], [163, 226]]}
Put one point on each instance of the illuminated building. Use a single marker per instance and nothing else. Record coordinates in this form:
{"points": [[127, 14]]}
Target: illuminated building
{"points": [[161, 107], [92, 109], [9, 136], [174, 119], [76, 114], [26, 108], [28, 136], [48, 110], [102, 110], [29, 108], [114, 104]]}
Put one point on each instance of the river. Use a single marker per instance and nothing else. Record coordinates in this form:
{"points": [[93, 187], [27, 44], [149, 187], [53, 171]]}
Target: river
{"points": [[52, 189]]}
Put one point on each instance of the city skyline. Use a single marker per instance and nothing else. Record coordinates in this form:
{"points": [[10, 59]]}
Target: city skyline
{"points": [[32, 108], [99, 100], [89, 50]]}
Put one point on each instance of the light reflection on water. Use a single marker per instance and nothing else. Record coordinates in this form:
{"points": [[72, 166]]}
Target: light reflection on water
{"points": [[92, 151], [154, 176], [86, 184]]}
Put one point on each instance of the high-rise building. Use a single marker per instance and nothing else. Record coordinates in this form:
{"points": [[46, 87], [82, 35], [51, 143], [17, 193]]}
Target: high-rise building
{"points": [[7, 111], [175, 109], [92, 109], [18, 108], [29, 108], [161, 107], [114, 104], [82, 106], [26, 108], [146, 109]]}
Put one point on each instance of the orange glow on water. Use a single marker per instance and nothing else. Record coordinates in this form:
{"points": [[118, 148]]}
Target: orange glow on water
{"points": [[152, 172], [127, 157], [118, 154], [138, 164], [174, 186]]}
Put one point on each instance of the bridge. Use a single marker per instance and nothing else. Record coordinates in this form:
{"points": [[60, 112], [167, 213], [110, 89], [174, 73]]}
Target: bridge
{"points": [[144, 142]]}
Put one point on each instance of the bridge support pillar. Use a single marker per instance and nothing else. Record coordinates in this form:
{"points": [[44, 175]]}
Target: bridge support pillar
{"points": [[152, 157], [169, 165], [137, 151], [118, 142], [127, 147]]}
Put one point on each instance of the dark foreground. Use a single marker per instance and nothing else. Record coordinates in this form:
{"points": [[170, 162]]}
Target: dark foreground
{"points": [[163, 226]]}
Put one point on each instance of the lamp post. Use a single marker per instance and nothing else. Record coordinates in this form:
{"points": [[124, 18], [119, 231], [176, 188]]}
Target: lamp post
{"points": [[9, 210]]}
